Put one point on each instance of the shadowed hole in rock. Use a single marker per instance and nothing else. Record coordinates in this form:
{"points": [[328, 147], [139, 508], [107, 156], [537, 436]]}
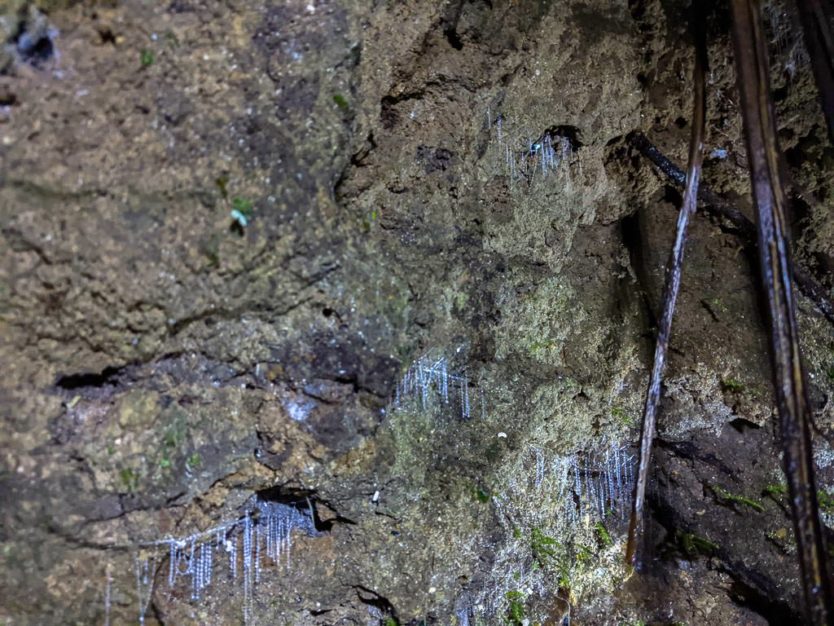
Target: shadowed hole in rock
{"points": [[434, 159], [388, 114], [106, 36], [571, 133], [324, 515], [34, 41], [7, 98], [632, 241], [377, 601], [742, 425], [776, 612], [108, 377]]}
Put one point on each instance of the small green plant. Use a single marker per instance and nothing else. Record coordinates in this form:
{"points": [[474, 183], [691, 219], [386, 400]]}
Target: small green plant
{"points": [[481, 495], [515, 610], [222, 183], [543, 548], [564, 577], [719, 304], [732, 498], [775, 490], [825, 500], [243, 205], [584, 554], [693, 544], [732, 385], [619, 414], [368, 221], [341, 102], [174, 433], [173, 437], [242, 210], [130, 479], [603, 536], [781, 539], [146, 58], [194, 461], [390, 621]]}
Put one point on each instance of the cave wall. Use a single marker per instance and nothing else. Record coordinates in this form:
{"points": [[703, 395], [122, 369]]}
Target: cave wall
{"points": [[234, 234]]}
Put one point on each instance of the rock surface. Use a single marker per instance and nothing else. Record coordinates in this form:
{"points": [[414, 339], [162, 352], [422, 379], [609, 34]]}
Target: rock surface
{"points": [[235, 235]]}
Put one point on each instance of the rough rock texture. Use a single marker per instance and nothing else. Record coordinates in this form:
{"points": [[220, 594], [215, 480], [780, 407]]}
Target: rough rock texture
{"points": [[166, 364]]}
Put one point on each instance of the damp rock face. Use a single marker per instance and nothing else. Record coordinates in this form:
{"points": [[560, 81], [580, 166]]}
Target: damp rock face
{"points": [[379, 283]]}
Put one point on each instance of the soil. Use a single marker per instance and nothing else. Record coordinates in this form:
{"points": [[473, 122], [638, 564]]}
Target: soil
{"points": [[232, 232]]}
